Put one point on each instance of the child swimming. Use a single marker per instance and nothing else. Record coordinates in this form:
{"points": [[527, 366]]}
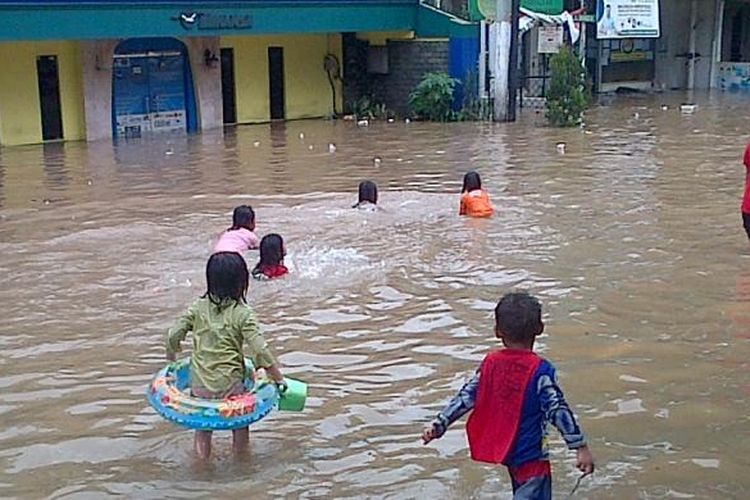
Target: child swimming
{"points": [[222, 323], [368, 196], [272, 253], [515, 395], [475, 202], [241, 236], [746, 197]]}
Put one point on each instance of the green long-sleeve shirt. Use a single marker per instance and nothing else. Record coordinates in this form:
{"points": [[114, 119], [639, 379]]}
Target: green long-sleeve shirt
{"points": [[219, 334]]}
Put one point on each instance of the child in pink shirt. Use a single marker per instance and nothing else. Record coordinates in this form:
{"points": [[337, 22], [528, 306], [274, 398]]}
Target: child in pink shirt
{"points": [[241, 236]]}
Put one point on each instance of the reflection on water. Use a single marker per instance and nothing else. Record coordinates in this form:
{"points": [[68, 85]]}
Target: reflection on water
{"points": [[631, 238]]}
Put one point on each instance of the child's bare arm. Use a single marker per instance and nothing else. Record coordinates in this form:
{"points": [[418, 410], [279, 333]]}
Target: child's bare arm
{"points": [[585, 460]]}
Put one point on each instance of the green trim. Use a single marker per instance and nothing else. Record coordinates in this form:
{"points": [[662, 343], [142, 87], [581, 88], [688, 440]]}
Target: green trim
{"points": [[432, 22], [119, 21]]}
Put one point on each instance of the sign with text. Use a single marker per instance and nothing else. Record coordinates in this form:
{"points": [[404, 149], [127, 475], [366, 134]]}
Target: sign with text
{"points": [[208, 21], [550, 39], [627, 19]]}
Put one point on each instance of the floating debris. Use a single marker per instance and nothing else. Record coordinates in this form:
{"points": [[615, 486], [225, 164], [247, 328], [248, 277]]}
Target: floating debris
{"points": [[688, 108], [561, 148], [407, 121], [256, 143], [377, 161], [301, 136], [331, 147]]}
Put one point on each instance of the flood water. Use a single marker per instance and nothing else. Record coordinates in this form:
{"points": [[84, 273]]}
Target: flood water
{"points": [[632, 239]]}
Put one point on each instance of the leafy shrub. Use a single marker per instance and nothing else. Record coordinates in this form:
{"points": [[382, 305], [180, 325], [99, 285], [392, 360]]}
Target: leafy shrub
{"points": [[366, 107], [432, 98], [568, 95]]}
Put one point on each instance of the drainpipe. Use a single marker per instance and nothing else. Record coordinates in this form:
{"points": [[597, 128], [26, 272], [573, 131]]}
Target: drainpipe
{"points": [[691, 50]]}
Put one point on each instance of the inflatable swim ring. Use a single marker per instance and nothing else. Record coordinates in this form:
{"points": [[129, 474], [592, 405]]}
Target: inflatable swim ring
{"points": [[169, 394]]}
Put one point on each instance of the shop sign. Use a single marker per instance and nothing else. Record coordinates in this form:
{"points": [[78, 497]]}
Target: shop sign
{"points": [[550, 39], [208, 21], [627, 19]]}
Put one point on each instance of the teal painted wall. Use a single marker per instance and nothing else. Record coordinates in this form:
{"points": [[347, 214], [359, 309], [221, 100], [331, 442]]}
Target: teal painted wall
{"points": [[144, 20]]}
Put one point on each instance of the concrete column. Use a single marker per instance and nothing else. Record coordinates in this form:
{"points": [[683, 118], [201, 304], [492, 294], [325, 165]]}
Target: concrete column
{"points": [[502, 18], [206, 81], [97, 87]]}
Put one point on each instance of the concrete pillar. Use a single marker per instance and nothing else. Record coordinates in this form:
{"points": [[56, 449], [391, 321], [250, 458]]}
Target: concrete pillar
{"points": [[206, 81], [97, 87], [502, 52]]}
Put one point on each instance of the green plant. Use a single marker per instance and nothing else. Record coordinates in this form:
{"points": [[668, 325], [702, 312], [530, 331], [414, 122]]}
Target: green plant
{"points": [[432, 98], [366, 107], [568, 95]]}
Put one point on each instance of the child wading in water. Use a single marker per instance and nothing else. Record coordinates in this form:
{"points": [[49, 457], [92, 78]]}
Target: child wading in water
{"points": [[272, 253], [514, 395], [222, 323], [475, 202], [368, 196], [241, 236]]}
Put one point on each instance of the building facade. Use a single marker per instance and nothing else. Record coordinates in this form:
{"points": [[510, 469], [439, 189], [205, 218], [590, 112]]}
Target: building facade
{"points": [[98, 69]]}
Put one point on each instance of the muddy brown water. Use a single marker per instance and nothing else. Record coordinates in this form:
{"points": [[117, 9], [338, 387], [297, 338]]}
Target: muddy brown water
{"points": [[632, 239]]}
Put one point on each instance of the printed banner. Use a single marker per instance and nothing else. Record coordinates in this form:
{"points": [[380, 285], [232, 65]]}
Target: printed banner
{"points": [[627, 19]]}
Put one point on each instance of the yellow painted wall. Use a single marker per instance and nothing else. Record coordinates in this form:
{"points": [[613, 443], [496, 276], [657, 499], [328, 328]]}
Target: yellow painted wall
{"points": [[20, 116], [307, 90]]}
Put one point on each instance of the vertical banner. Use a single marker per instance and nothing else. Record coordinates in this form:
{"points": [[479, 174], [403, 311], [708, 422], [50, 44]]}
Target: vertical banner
{"points": [[627, 19]]}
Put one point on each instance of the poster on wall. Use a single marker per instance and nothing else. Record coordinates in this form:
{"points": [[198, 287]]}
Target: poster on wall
{"points": [[550, 39], [627, 19]]}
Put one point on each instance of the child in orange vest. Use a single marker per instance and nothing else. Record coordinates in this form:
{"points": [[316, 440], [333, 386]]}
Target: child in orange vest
{"points": [[475, 202], [515, 395]]}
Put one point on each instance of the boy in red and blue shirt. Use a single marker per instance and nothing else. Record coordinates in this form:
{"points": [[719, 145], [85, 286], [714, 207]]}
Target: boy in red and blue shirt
{"points": [[514, 396]]}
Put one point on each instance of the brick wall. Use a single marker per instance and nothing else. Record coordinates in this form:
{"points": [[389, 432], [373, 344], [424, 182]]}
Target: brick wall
{"points": [[408, 61]]}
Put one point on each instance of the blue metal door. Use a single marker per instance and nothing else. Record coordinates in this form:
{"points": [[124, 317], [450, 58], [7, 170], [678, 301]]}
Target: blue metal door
{"points": [[149, 93], [152, 88]]}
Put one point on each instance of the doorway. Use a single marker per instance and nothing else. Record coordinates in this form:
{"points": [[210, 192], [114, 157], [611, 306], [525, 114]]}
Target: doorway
{"points": [[152, 88], [276, 82], [48, 78], [228, 92]]}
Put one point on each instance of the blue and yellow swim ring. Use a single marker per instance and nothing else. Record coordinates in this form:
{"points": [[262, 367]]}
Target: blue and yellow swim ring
{"points": [[169, 394]]}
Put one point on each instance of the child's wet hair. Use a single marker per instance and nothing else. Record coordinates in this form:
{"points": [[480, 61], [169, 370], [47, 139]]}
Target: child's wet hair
{"points": [[518, 316], [227, 278], [472, 182], [243, 217], [368, 192], [271, 250]]}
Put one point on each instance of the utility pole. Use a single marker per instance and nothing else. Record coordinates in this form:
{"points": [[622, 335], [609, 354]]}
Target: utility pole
{"points": [[502, 63]]}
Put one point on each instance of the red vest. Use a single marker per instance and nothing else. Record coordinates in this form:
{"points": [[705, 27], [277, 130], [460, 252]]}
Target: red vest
{"points": [[493, 425]]}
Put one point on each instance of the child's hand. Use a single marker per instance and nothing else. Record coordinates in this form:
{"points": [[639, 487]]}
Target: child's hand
{"points": [[585, 460], [429, 434]]}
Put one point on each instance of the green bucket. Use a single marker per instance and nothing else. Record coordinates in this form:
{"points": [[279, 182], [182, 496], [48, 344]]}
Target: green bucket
{"points": [[293, 399]]}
